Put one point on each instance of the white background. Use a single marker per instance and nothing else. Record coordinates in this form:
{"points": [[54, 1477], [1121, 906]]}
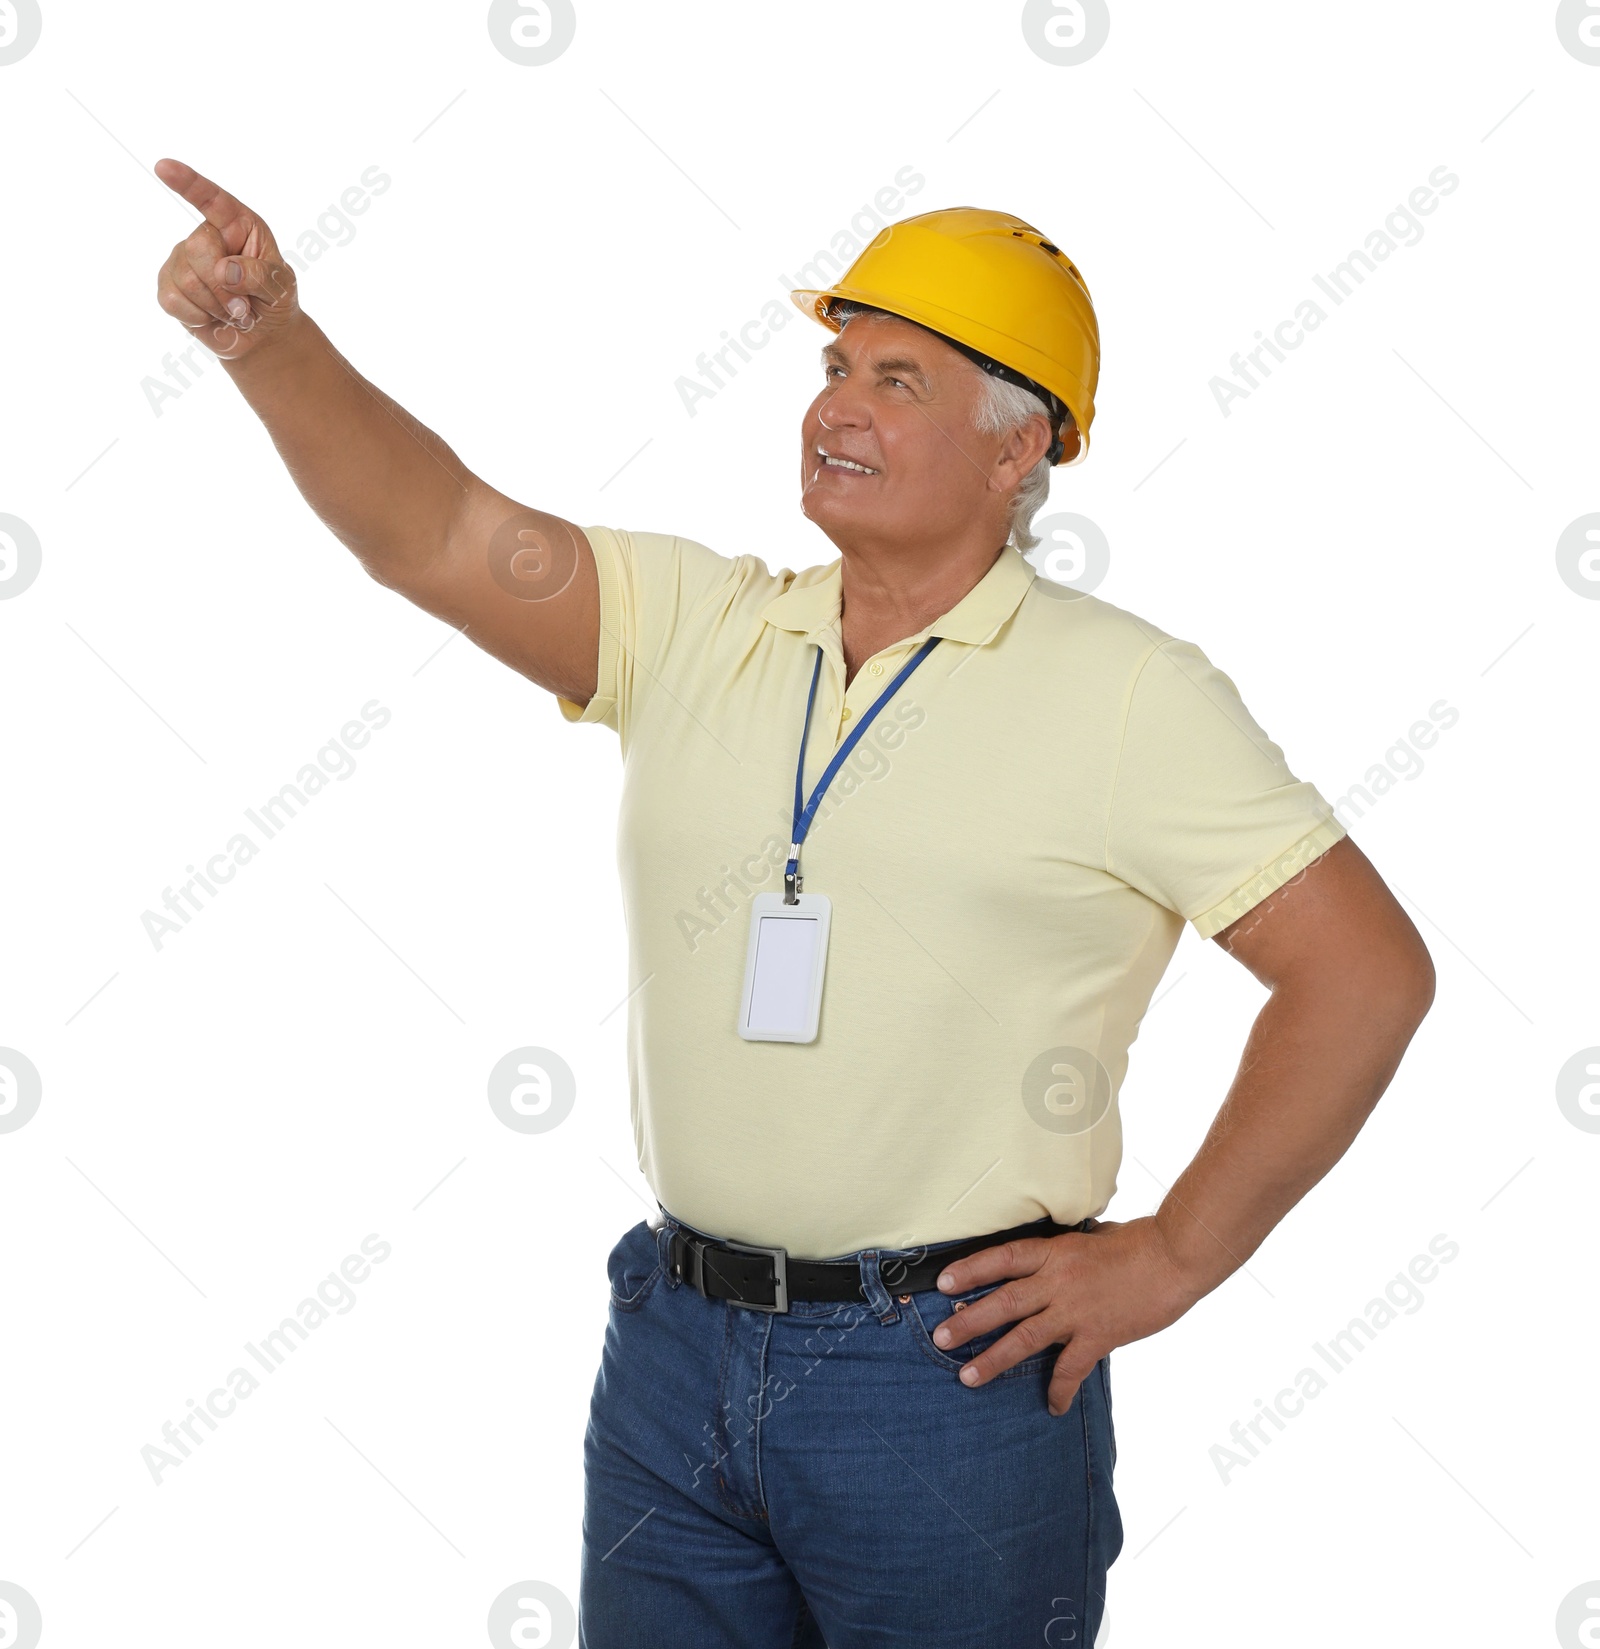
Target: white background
{"points": [[225, 1118]]}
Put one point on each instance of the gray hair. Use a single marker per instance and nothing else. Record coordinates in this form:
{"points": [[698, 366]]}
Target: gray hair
{"points": [[1002, 407]]}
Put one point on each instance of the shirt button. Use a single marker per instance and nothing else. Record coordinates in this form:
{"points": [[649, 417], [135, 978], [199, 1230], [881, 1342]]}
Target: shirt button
{"points": [[845, 714], [876, 669]]}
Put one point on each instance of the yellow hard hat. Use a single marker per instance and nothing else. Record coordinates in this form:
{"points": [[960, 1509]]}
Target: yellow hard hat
{"points": [[997, 289]]}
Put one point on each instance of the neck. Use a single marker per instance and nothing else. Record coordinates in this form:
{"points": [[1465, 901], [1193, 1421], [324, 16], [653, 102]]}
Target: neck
{"points": [[887, 597]]}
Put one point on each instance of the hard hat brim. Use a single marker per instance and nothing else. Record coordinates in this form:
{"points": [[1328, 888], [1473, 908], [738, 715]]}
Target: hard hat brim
{"points": [[814, 302]]}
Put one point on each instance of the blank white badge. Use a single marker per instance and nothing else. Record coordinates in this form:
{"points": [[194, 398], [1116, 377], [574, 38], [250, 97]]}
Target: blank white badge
{"points": [[784, 962]]}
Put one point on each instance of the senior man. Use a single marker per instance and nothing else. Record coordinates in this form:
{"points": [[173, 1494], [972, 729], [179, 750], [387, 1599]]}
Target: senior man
{"points": [[906, 843]]}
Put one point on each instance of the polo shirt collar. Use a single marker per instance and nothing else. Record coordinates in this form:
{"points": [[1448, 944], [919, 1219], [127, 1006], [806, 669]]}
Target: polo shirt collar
{"points": [[812, 602]]}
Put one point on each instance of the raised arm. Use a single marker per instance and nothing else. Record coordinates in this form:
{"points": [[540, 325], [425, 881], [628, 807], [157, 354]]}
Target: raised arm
{"points": [[521, 583]]}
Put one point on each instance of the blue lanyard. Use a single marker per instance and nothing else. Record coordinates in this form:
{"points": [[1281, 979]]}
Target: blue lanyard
{"points": [[804, 811]]}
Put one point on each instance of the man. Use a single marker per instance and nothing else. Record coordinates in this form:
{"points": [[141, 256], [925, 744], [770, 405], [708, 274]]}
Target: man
{"points": [[906, 844]]}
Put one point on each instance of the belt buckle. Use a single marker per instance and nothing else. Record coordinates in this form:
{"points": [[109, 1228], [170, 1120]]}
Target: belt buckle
{"points": [[780, 1277]]}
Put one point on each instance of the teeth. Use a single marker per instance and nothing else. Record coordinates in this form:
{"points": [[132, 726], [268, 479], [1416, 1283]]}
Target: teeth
{"points": [[844, 463]]}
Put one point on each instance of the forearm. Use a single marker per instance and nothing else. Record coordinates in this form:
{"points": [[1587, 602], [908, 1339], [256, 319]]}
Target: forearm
{"points": [[1318, 1058], [384, 484]]}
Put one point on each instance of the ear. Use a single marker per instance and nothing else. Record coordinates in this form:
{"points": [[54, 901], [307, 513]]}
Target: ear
{"points": [[1021, 450]]}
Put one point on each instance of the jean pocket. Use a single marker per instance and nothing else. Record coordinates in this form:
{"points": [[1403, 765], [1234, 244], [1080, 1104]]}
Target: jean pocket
{"points": [[930, 1308], [633, 1267]]}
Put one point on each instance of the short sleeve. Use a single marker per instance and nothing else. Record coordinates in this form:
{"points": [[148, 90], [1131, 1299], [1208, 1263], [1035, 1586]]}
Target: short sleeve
{"points": [[650, 583], [1205, 816]]}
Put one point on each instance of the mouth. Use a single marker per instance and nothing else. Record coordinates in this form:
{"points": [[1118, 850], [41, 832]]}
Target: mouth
{"points": [[846, 465]]}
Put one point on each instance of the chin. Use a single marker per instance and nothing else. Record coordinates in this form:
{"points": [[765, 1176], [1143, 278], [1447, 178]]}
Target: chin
{"points": [[829, 513]]}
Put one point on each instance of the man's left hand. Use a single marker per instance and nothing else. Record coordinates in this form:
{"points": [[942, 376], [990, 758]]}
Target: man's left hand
{"points": [[1087, 1291]]}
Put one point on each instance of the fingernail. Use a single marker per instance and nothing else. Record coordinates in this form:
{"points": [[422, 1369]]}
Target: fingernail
{"points": [[969, 1376], [238, 308], [941, 1336], [946, 1280], [235, 274], [1055, 1413]]}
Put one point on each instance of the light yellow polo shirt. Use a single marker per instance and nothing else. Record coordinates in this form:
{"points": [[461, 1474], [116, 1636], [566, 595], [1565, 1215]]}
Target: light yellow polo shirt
{"points": [[1011, 853]]}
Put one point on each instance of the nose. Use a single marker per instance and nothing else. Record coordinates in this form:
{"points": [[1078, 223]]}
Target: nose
{"points": [[843, 407]]}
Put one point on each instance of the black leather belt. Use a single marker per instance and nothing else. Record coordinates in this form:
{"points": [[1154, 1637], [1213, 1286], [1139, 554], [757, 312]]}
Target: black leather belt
{"points": [[766, 1279]]}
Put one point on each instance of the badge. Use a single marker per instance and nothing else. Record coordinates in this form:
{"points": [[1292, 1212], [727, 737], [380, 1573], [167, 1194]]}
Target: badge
{"points": [[785, 959]]}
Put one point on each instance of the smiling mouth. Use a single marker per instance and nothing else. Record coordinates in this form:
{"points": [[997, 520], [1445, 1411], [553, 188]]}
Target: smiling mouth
{"points": [[830, 462]]}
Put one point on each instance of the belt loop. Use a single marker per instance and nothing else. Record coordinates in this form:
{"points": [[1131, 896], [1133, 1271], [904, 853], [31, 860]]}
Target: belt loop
{"points": [[680, 1261], [872, 1287], [664, 1235]]}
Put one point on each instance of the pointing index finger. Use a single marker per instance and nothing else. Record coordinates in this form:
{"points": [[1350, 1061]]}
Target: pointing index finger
{"points": [[231, 216]]}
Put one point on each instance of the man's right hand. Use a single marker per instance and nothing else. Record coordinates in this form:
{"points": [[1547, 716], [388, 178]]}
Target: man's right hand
{"points": [[233, 317], [518, 581]]}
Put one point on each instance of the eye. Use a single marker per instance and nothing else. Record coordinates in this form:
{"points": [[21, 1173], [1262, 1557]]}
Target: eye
{"points": [[900, 383]]}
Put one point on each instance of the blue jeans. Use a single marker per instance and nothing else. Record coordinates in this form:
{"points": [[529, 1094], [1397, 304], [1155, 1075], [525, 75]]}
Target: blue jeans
{"points": [[821, 1479]]}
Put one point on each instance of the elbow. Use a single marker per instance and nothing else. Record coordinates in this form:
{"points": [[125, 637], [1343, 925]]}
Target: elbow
{"points": [[1386, 986], [1400, 976], [1420, 974], [1424, 986], [1410, 984]]}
